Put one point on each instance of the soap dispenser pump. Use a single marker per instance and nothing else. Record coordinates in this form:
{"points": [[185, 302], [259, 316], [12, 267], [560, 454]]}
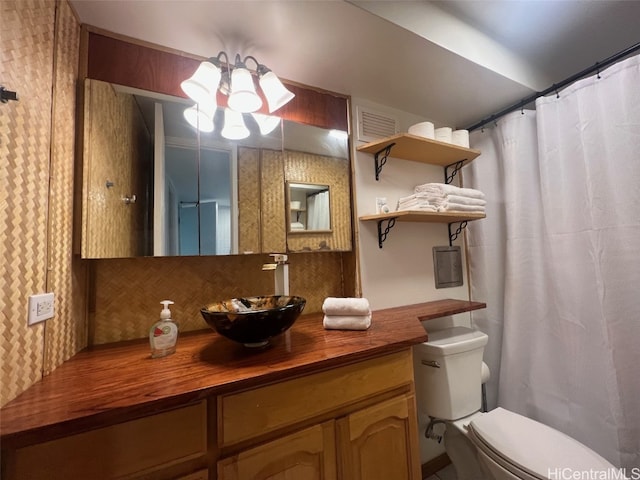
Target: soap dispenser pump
{"points": [[164, 334]]}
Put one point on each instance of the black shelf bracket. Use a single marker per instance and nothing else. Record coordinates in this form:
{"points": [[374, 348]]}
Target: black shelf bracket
{"points": [[456, 168], [382, 236], [454, 235], [380, 161]]}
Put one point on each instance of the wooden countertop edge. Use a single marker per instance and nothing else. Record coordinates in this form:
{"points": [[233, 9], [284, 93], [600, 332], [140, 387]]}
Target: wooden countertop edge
{"points": [[27, 429]]}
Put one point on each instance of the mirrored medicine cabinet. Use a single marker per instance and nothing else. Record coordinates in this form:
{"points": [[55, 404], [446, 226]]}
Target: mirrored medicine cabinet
{"points": [[154, 186]]}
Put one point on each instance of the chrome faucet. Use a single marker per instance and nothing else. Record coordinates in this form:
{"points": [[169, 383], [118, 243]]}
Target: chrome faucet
{"points": [[280, 266]]}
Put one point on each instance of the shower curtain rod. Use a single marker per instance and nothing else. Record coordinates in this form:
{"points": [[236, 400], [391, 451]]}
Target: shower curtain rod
{"points": [[557, 86]]}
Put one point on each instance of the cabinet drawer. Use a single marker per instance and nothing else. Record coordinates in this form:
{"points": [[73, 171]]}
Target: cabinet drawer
{"points": [[266, 409], [121, 450]]}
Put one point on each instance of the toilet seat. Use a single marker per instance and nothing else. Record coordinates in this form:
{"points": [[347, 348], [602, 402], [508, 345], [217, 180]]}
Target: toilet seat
{"points": [[521, 445]]}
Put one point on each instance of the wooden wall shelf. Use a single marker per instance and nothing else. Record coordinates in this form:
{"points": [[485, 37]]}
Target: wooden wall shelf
{"points": [[424, 217], [419, 149]]}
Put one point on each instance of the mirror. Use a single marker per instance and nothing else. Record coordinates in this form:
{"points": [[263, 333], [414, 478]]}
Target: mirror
{"points": [[155, 186], [317, 160], [309, 208]]}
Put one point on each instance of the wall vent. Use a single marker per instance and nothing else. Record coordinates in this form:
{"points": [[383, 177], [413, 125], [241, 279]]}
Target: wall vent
{"points": [[374, 125]]}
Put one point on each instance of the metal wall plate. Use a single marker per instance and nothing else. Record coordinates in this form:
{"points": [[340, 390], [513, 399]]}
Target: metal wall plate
{"points": [[447, 266]]}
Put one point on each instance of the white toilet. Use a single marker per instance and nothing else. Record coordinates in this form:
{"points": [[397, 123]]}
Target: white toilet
{"points": [[498, 444]]}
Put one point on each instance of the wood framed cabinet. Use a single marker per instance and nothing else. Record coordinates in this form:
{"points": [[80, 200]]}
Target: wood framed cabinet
{"points": [[379, 442], [349, 423], [167, 445], [317, 404]]}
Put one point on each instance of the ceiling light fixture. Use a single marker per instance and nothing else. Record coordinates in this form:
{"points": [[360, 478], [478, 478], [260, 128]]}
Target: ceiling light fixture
{"points": [[238, 84]]}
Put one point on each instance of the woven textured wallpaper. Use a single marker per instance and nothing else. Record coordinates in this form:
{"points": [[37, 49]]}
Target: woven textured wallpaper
{"points": [[249, 200], [272, 207], [192, 282], [37, 137], [65, 334], [26, 56]]}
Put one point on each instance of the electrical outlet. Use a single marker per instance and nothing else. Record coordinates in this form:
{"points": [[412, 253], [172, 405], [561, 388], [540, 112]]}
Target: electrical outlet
{"points": [[41, 307]]}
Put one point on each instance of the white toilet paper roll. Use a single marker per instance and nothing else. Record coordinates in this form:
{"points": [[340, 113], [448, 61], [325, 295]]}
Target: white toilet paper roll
{"points": [[443, 134], [422, 129], [486, 373], [460, 138]]}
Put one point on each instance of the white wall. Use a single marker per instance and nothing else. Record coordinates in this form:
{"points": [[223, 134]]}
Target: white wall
{"points": [[401, 273]]}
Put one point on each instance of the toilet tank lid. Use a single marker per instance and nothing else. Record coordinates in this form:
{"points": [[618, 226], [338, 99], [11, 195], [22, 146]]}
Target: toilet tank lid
{"points": [[449, 341], [532, 446]]}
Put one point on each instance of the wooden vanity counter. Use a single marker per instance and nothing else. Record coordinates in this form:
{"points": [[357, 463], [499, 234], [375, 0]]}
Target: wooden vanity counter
{"points": [[115, 383]]}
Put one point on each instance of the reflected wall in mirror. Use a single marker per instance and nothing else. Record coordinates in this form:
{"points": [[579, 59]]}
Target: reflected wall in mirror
{"points": [[154, 186], [117, 161]]}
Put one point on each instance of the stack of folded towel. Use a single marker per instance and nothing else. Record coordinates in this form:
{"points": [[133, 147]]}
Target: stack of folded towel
{"points": [[449, 198], [346, 313], [417, 201]]}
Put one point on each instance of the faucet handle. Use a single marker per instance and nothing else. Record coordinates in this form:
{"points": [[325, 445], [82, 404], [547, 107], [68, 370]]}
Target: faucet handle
{"points": [[279, 257]]}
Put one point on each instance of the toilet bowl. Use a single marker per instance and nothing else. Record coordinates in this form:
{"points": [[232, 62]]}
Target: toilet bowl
{"points": [[495, 445]]}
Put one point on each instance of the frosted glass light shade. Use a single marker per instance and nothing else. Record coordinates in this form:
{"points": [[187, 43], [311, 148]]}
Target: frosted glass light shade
{"points": [[234, 127], [200, 118], [203, 84], [266, 123], [274, 91], [243, 97]]}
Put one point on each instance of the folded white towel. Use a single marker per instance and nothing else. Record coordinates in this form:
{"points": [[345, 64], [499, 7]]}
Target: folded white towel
{"points": [[465, 200], [346, 306], [417, 201], [415, 196], [346, 322], [420, 207], [410, 203], [297, 226], [457, 207], [442, 189]]}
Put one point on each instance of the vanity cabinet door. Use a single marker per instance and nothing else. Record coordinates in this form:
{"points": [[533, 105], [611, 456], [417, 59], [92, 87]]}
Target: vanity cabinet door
{"points": [[155, 447], [305, 455], [380, 442]]}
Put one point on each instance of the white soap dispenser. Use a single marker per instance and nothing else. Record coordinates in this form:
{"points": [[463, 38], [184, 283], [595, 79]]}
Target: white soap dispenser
{"points": [[164, 334]]}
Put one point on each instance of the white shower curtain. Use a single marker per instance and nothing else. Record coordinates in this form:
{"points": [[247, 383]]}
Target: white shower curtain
{"points": [[558, 261], [318, 211]]}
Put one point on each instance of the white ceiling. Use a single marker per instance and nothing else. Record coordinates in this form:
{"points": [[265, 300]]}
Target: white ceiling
{"points": [[452, 61]]}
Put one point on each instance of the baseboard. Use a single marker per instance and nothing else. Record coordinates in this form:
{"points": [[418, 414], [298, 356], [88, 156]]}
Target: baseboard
{"points": [[435, 464]]}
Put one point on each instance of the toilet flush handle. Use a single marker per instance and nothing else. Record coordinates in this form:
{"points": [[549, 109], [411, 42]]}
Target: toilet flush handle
{"points": [[431, 363]]}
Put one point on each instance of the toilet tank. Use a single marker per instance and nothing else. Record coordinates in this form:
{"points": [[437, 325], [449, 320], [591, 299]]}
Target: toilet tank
{"points": [[448, 370]]}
